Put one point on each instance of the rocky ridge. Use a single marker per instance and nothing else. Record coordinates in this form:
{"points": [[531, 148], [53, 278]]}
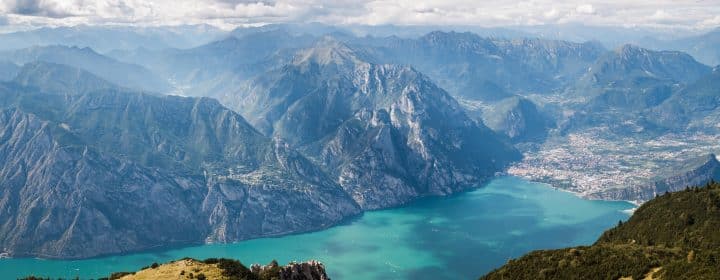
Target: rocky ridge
{"points": [[116, 171], [385, 132]]}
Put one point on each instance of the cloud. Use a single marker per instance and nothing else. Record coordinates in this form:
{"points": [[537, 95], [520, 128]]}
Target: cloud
{"points": [[585, 9], [650, 13], [552, 14], [712, 22], [35, 8]]}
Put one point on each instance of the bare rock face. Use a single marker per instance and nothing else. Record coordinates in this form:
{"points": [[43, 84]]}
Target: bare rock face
{"points": [[311, 270]]}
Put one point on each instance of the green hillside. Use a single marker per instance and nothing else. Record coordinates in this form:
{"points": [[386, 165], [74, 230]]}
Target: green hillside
{"points": [[674, 236]]}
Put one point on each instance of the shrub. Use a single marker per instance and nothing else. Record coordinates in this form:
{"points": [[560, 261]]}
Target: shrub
{"points": [[118, 275], [235, 270]]}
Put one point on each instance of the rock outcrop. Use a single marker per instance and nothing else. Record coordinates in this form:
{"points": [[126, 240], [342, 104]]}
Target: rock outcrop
{"points": [[311, 270]]}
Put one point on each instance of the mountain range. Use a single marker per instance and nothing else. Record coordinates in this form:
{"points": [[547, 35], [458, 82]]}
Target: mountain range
{"points": [[375, 127], [626, 88], [92, 168], [475, 67], [271, 131], [128, 75], [111, 171], [108, 38]]}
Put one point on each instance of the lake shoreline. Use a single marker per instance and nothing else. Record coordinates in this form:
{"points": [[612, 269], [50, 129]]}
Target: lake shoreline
{"points": [[504, 218]]}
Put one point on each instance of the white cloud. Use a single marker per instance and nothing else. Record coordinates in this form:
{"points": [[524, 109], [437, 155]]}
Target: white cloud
{"points": [[651, 13], [711, 22], [585, 9], [552, 14]]}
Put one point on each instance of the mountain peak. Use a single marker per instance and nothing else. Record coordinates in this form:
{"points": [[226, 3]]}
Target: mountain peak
{"points": [[712, 158], [327, 51], [630, 62], [631, 50], [439, 35]]}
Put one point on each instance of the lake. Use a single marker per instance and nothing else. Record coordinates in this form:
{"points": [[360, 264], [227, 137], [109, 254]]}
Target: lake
{"points": [[456, 237]]}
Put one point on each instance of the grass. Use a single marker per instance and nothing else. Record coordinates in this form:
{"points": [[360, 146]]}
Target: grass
{"points": [[180, 269]]}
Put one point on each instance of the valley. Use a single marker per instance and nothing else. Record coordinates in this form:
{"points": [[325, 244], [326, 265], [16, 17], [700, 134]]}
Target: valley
{"points": [[402, 152]]}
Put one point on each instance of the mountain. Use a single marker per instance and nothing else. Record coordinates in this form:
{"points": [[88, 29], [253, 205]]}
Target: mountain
{"points": [[59, 79], [221, 65], [108, 38], [474, 67], [313, 29], [694, 106], [115, 171], [519, 119], [467, 65], [631, 65], [703, 47], [693, 173], [608, 36], [122, 74], [385, 132], [624, 86], [673, 236], [8, 70]]}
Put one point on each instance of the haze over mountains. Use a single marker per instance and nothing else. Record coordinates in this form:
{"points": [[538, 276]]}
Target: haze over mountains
{"points": [[108, 38], [161, 140], [127, 75]]}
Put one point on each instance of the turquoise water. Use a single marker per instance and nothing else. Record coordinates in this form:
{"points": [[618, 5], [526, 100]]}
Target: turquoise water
{"points": [[457, 237]]}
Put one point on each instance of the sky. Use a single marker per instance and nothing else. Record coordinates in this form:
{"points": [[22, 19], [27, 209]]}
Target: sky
{"points": [[658, 14]]}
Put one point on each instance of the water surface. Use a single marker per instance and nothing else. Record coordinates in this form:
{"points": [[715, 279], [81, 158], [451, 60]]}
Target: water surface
{"points": [[457, 237]]}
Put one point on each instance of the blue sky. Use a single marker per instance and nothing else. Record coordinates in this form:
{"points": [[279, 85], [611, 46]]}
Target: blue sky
{"points": [[662, 14]]}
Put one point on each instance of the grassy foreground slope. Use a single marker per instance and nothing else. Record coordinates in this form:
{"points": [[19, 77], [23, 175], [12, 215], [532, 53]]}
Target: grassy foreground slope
{"points": [[674, 236], [220, 269]]}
